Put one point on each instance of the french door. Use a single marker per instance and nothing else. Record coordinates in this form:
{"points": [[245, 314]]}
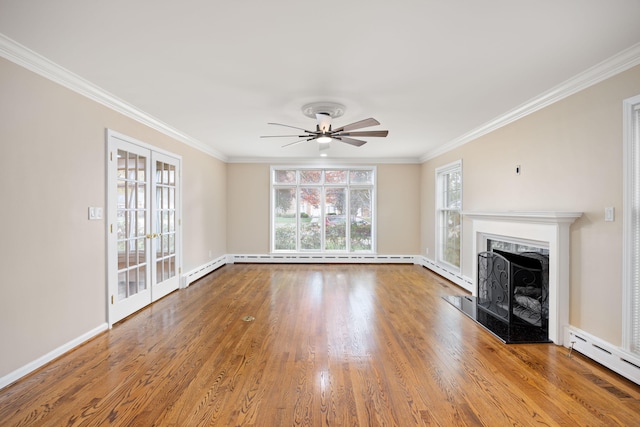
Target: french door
{"points": [[143, 247]]}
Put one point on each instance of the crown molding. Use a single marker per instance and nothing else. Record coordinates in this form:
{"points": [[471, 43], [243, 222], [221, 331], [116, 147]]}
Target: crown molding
{"points": [[326, 160], [25, 57], [608, 68]]}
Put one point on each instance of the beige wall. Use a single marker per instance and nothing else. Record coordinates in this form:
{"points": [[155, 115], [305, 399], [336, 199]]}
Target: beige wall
{"points": [[52, 168], [248, 208], [571, 159], [398, 204]]}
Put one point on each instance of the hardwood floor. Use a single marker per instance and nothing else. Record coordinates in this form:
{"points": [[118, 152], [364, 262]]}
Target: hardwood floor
{"points": [[331, 345]]}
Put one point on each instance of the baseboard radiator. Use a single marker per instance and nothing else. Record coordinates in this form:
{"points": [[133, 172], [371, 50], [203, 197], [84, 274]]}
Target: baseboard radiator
{"points": [[464, 282], [197, 273], [604, 353], [322, 259]]}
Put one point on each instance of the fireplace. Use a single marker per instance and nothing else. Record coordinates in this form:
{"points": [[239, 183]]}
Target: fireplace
{"points": [[514, 288], [547, 230]]}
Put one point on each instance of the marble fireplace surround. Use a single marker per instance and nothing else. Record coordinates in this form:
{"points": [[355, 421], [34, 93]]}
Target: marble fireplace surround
{"points": [[536, 228]]}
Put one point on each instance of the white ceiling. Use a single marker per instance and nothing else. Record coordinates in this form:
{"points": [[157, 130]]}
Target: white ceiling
{"points": [[431, 71]]}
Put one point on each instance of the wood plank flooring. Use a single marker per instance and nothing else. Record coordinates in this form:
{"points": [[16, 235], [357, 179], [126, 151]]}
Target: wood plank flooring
{"points": [[331, 345]]}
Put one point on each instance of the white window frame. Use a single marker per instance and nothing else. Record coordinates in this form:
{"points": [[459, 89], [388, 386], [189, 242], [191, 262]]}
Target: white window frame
{"points": [[631, 226], [439, 210], [323, 186]]}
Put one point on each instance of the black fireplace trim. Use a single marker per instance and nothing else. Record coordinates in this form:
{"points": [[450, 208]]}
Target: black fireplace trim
{"points": [[508, 334]]}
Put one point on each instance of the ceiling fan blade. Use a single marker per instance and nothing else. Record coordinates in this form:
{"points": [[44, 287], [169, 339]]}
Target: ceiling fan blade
{"points": [[381, 133], [284, 136], [351, 141], [293, 127], [297, 142], [357, 125]]}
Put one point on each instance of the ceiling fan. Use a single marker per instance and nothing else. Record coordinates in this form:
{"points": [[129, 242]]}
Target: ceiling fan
{"points": [[324, 133]]}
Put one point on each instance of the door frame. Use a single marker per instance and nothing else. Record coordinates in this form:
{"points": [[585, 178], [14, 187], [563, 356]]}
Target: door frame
{"points": [[110, 223]]}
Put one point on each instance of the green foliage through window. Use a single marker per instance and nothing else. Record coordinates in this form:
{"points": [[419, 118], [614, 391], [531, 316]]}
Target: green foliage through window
{"points": [[323, 210], [448, 208]]}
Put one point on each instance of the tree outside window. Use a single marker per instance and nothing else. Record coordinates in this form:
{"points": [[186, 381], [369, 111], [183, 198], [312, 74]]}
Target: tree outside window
{"points": [[323, 210], [448, 209]]}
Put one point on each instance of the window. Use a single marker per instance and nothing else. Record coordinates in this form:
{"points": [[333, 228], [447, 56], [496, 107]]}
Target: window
{"points": [[448, 208], [322, 210], [631, 226]]}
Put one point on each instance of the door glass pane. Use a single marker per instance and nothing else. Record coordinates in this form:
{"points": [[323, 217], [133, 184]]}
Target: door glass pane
{"points": [[335, 220], [142, 252], [172, 175], [131, 195], [122, 285], [133, 282], [172, 244], [142, 278], [172, 198], [141, 224], [130, 223], [121, 225], [122, 255], [165, 220], [121, 158], [172, 221], [159, 271], [142, 168], [121, 195], [142, 196]]}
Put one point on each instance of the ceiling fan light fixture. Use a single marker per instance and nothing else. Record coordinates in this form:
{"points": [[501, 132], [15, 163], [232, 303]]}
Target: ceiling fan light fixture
{"points": [[324, 112]]}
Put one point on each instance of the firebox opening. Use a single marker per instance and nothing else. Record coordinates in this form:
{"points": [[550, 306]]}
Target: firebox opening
{"points": [[512, 298]]}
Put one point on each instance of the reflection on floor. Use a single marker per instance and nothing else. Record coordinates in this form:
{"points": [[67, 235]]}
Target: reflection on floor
{"points": [[509, 334]]}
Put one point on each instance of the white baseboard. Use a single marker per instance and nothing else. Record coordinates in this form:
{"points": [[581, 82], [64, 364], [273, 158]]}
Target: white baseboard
{"points": [[608, 355], [199, 272], [463, 281], [41, 361], [322, 258]]}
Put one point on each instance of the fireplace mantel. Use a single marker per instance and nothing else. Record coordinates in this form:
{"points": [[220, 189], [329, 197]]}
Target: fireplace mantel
{"points": [[530, 216], [549, 229]]}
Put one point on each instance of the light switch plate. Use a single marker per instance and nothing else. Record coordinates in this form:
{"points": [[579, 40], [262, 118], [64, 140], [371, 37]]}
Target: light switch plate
{"points": [[609, 214], [95, 213]]}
